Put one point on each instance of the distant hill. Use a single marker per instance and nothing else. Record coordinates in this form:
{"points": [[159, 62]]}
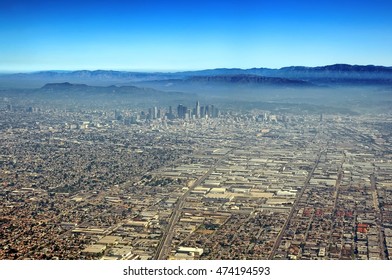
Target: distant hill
{"points": [[93, 78], [248, 79], [70, 87], [330, 75], [226, 85], [341, 68], [115, 91], [77, 91], [74, 95], [340, 74], [63, 86]]}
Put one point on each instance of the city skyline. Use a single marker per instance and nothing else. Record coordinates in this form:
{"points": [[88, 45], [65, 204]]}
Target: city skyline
{"points": [[176, 36]]}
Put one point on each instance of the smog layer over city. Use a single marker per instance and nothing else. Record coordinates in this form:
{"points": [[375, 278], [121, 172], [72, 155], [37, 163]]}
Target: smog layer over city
{"points": [[199, 140]]}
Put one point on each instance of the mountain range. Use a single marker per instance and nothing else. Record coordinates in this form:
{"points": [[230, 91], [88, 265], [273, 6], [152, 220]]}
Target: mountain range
{"points": [[293, 76], [346, 87]]}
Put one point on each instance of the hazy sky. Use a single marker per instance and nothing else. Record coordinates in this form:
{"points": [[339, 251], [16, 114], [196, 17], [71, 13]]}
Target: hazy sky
{"points": [[186, 35]]}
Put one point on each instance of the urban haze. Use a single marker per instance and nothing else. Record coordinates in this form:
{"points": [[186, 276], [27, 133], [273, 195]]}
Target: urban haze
{"points": [[289, 163]]}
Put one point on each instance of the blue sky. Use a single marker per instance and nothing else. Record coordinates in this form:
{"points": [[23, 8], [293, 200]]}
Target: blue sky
{"points": [[188, 35]]}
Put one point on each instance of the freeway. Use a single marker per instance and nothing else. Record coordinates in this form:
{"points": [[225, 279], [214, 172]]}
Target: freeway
{"points": [[379, 219]]}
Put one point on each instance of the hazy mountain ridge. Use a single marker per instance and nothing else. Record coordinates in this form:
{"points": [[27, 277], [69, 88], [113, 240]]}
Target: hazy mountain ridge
{"points": [[342, 68], [230, 80], [83, 89], [337, 74], [69, 87], [79, 90], [247, 79]]}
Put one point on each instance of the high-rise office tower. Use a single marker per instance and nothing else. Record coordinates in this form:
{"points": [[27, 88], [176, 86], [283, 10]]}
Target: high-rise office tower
{"points": [[181, 110], [215, 112], [202, 112], [117, 115], [197, 110], [208, 110], [170, 114]]}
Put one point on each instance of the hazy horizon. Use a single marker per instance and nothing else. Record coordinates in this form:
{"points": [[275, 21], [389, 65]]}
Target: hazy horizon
{"points": [[175, 70]]}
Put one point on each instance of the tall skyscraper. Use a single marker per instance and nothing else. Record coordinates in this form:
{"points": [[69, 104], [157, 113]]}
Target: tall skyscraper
{"points": [[170, 114], [208, 110], [150, 113], [202, 112], [181, 110], [197, 110], [117, 115]]}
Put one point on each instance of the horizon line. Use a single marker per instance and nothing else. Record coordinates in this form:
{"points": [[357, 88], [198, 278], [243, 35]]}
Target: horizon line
{"points": [[8, 72]]}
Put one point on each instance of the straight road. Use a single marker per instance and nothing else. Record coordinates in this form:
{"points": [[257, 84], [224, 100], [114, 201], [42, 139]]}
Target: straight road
{"points": [[165, 244], [379, 220], [293, 209]]}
